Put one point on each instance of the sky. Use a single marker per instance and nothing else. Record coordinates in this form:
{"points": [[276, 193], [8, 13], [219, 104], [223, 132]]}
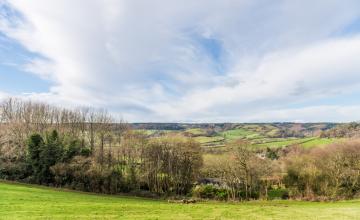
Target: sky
{"points": [[186, 61]]}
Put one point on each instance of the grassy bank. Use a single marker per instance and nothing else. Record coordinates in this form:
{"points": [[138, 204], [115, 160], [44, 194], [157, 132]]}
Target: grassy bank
{"points": [[32, 202]]}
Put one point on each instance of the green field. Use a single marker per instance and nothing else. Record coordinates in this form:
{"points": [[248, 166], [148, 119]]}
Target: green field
{"points": [[204, 139], [239, 133], [196, 131], [32, 202], [286, 142], [321, 142], [259, 136]]}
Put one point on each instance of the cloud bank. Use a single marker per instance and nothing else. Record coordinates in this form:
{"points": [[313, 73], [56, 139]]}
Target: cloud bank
{"points": [[204, 61]]}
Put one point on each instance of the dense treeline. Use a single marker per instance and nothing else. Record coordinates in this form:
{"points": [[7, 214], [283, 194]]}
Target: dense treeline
{"points": [[329, 173], [88, 150], [325, 173], [242, 172]]}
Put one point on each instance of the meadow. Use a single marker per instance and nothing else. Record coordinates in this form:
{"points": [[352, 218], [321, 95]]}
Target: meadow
{"points": [[20, 201]]}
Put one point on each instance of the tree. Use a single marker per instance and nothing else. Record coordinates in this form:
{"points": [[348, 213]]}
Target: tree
{"points": [[51, 153], [172, 165], [44, 154], [35, 145]]}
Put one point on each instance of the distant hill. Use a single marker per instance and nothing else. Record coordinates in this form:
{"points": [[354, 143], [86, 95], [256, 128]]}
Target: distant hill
{"points": [[279, 129], [349, 130], [262, 135]]}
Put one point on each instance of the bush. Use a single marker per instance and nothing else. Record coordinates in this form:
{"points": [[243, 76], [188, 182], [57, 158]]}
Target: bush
{"points": [[222, 194], [85, 152], [251, 195], [278, 194], [205, 191], [210, 191], [11, 171]]}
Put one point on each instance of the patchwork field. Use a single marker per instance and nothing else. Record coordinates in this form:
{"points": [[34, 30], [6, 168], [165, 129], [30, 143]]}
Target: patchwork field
{"points": [[34, 202], [259, 135]]}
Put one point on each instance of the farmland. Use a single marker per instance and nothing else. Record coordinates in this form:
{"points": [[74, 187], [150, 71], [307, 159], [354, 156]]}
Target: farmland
{"points": [[19, 201], [260, 136]]}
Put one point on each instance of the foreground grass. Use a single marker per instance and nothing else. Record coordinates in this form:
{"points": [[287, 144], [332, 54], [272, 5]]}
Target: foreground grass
{"points": [[30, 202]]}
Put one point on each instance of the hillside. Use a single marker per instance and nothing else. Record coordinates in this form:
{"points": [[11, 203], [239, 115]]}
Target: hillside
{"points": [[33, 202], [260, 135], [348, 130]]}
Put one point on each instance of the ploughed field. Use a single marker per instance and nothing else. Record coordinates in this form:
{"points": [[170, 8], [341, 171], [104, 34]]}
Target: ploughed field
{"points": [[19, 201]]}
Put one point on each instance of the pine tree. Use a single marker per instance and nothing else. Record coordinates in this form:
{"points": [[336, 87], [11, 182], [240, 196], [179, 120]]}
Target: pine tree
{"points": [[35, 144]]}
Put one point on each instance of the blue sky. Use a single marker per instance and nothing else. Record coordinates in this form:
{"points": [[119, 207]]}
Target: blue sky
{"points": [[14, 79], [192, 61]]}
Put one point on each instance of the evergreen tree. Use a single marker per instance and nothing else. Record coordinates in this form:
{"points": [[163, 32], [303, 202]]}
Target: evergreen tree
{"points": [[35, 144], [51, 153]]}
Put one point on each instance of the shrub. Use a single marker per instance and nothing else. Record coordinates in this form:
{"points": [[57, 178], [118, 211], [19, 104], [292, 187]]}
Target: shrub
{"points": [[210, 191], [205, 191], [12, 171], [222, 194], [278, 194], [251, 195]]}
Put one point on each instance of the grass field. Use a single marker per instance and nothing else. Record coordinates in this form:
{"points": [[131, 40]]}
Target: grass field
{"points": [[196, 131], [32, 202], [239, 133], [286, 142], [321, 142], [204, 139]]}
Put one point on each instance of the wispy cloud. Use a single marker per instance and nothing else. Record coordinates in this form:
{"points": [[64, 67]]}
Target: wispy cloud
{"points": [[191, 61]]}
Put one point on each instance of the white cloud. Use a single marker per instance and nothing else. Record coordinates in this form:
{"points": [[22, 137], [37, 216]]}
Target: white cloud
{"points": [[3, 95], [42, 68], [320, 113], [287, 76], [153, 61]]}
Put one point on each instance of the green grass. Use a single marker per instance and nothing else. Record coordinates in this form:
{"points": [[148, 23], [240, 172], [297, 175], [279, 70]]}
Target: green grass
{"points": [[204, 139], [304, 142], [284, 143], [196, 131], [30, 202], [150, 132], [147, 131], [320, 142], [239, 133]]}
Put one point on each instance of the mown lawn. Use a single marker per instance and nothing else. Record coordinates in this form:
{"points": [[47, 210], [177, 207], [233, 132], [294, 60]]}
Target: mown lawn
{"points": [[32, 202]]}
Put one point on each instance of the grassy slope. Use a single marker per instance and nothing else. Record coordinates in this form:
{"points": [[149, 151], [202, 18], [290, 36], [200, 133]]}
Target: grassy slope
{"points": [[204, 140], [286, 142], [29, 202], [321, 142], [196, 131]]}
